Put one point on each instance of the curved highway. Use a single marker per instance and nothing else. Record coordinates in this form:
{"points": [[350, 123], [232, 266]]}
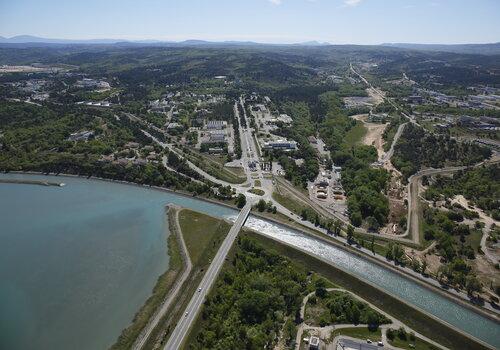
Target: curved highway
{"points": [[183, 326]]}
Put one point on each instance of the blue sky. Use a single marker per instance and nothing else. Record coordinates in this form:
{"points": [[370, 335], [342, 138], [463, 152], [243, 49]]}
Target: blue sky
{"points": [[275, 21]]}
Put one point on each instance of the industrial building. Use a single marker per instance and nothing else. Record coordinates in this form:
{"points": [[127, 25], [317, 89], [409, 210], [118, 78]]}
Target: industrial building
{"points": [[216, 125], [280, 145]]}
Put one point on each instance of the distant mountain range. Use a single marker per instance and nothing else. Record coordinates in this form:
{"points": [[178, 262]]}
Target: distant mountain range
{"points": [[24, 39], [481, 49], [29, 39]]}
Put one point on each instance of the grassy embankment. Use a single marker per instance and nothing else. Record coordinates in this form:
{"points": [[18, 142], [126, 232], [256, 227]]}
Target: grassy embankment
{"points": [[418, 344], [257, 191], [357, 332], [214, 168], [203, 236], [390, 133], [221, 159], [162, 287]]}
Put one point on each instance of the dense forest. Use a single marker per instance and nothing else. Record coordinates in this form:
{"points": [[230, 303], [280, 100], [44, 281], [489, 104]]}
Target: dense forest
{"points": [[257, 294], [417, 149]]}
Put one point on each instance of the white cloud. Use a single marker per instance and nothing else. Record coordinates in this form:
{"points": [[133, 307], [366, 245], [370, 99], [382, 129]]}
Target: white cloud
{"points": [[275, 2], [351, 3]]}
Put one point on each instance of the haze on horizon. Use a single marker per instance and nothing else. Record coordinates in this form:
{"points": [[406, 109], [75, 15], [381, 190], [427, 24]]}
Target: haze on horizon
{"points": [[265, 21]]}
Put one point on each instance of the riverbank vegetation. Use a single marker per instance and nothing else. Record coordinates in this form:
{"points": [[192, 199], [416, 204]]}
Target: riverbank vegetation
{"points": [[255, 295], [403, 340]]}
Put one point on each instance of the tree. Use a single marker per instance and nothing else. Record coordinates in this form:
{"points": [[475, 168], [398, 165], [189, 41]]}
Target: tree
{"points": [[320, 288], [329, 226], [350, 233], [373, 224], [241, 200], [388, 253], [356, 314], [472, 285], [316, 220], [398, 253], [372, 319], [356, 218], [261, 205], [337, 227], [424, 267]]}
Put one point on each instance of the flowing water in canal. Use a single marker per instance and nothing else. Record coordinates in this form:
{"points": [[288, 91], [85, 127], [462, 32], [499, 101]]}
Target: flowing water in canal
{"points": [[77, 262]]}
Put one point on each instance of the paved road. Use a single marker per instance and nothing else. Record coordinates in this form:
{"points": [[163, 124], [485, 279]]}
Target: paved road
{"points": [[172, 296], [189, 163], [413, 225], [250, 153], [244, 160], [388, 155], [181, 330]]}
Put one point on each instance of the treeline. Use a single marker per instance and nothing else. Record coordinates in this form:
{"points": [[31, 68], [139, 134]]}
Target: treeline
{"points": [[237, 138], [241, 113], [417, 148], [458, 111]]}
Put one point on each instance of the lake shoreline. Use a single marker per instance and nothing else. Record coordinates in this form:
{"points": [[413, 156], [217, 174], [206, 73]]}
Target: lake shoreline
{"points": [[339, 245], [423, 282]]}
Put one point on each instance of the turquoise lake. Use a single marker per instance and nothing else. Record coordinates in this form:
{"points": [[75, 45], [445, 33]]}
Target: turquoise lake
{"points": [[77, 262]]}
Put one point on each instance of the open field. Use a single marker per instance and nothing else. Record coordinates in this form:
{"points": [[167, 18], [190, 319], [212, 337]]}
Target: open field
{"points": [[418, 344], [199, 231], [215, 169], [355, 135]]}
